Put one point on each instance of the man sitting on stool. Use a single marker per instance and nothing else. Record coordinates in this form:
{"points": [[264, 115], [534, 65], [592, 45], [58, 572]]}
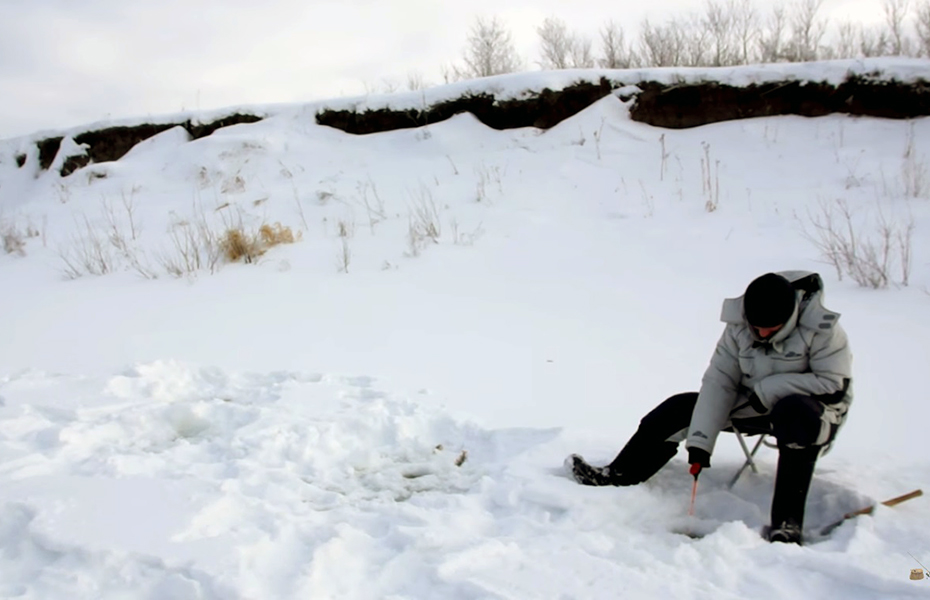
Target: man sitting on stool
{"points": [[783, 361]]}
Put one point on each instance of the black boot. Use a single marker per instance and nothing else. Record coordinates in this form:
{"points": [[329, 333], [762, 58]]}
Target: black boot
{"points": [[633, 473], [792, 483], [586, 474], [646, 452]]}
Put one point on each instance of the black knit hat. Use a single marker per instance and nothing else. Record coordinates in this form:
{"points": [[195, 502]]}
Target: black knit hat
{"points": [[769, 301]]}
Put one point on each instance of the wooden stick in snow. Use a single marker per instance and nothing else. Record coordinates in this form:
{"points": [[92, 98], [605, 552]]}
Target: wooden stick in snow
{"points": [[869, 509]]}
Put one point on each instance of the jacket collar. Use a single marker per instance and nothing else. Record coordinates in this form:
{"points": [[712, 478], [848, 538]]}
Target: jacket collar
{"points": [[777, 341]]}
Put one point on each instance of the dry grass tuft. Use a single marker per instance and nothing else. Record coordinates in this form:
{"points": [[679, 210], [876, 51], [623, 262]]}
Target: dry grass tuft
{"points": [[13, 236], [424, 222], [272, 235], [13, 240], [237, 244]]}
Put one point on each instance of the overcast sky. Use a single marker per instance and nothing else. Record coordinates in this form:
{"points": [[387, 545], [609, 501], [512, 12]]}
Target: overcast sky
{"points": [[70, 62]]}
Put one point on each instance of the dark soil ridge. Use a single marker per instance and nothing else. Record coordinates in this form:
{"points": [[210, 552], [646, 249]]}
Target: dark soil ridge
{"points": [[672, 106], [113, 143]]}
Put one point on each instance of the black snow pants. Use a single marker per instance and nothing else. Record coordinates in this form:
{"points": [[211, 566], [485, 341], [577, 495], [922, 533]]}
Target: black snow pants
{"points": [[795, 422]]}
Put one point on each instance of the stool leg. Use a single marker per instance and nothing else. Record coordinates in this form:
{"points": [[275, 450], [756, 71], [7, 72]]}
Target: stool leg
{"points": [[749, 456]]}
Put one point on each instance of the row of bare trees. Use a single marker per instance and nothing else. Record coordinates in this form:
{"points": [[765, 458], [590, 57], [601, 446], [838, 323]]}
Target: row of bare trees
{"points": [[725, 33]]}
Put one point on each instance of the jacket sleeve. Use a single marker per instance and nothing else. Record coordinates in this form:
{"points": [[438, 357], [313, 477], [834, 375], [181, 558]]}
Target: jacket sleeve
{"points": [[719, 389], [830, 370]]}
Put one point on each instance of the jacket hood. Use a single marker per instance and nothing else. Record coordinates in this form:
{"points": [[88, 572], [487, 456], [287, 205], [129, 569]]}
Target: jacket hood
{"points": [[809, 311]]}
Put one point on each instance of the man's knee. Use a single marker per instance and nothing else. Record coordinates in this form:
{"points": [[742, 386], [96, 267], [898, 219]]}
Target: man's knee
{"points": [[671, 416], [798, 422]]}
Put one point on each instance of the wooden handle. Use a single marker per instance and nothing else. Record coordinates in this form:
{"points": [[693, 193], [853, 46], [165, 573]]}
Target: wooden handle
{"points": [[868, 510], [894, 501], [903, 498]]}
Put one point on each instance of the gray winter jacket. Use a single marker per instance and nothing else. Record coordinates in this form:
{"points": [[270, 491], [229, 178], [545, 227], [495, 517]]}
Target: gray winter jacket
{"points": [[809, 356]]}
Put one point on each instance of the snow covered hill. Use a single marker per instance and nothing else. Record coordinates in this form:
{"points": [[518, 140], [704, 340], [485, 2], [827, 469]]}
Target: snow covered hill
{"points": [[378, 404]]}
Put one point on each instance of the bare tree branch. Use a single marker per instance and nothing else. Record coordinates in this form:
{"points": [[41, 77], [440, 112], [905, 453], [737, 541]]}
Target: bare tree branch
{"points": [[616, 54], [806, 31], [771, 42], [562, 49], [923, 27], [555, 44], [489, 51], [895, 13]]}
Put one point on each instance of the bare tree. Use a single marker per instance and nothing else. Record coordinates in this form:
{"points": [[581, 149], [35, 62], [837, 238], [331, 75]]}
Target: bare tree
{"points": [[489, 51], [771, 42], [616, 54], [873, 42], [555, 44], [415, 81], [661, 45], [923, 27], [718, 22], [562, 49], [746, 22], [695, 39], [806, 31], [581, 53], [846, 40], [895, 13]]}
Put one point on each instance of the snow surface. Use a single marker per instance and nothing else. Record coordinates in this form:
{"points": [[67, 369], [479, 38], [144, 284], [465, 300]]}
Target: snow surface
{"points": [[287, 430]]}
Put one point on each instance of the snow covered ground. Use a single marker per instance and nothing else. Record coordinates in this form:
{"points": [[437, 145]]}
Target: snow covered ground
{"points": [[286, 429]]}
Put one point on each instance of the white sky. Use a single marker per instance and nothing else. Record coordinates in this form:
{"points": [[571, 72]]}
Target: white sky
{"points": [[64, 63]]}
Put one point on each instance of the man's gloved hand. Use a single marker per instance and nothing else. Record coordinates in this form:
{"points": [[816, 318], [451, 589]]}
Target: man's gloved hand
{"points": [[756, 403], [698, 459]]}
